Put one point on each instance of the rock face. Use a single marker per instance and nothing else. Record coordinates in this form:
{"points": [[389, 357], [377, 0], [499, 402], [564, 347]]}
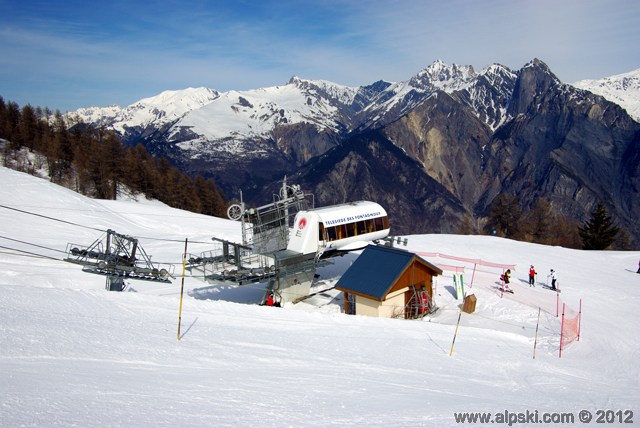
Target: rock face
{"points": [[369, 166], [569, 146], [435, 150]]}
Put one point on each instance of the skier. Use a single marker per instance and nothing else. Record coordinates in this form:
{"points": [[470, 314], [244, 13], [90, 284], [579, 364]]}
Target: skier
{"points": [[506, 278], [638, 267], [554, 278], [532, 276]]}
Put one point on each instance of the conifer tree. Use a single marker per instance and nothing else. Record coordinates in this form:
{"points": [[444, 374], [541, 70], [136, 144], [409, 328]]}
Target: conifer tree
{"points": [[599, 232], [27, 127], [504, 217], [538, 222]]}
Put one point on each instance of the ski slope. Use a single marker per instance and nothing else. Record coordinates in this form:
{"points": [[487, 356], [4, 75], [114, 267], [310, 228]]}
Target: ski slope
{"points": [[73, 354]]}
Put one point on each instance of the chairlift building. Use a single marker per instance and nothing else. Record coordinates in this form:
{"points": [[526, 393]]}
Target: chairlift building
{"points": [[389, 282]]}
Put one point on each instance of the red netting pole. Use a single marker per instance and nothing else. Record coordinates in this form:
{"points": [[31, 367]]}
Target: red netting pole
{"points": [[561, 330], [579, 319], [473, 274]]}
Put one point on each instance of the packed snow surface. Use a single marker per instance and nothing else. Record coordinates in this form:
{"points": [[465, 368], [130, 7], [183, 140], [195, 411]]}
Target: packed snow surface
{"points": [[74, 354]]}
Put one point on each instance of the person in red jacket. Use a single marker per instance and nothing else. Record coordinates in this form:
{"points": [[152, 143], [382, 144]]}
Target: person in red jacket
{"points": [[270, 301], [532, 276]]}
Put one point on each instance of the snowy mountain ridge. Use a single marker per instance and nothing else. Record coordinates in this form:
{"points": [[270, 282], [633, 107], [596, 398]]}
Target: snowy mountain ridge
{"points": [[204, 115], [199, 115], [622, 89], [158, 110]]}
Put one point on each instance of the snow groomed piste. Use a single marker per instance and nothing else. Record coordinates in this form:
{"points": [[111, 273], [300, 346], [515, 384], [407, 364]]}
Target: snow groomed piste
{"points": [[290, 271], [74, 354]]}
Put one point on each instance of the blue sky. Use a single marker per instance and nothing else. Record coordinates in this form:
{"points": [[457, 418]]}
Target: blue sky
{"points": [[70, 54]]}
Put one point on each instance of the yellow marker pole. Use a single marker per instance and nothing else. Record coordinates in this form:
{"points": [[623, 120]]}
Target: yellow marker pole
{"points": [[535, 342], [184, 267], [456, 333]]}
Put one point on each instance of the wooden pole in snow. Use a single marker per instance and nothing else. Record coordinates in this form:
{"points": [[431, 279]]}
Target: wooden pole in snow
{"points": [[535, 342], [184, 266], [456, 333]]}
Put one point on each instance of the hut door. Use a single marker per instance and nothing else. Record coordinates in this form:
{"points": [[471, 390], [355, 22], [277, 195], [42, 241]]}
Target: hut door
{"points": [[350, 304], [411, 303], [416, 302]]}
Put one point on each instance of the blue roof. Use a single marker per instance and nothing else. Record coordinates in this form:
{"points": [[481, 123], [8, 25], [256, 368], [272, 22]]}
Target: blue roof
{"points": [[376, 270]]}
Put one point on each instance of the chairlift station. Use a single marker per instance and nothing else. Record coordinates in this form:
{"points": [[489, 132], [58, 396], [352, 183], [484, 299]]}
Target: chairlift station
{"points": [[283, 242]]}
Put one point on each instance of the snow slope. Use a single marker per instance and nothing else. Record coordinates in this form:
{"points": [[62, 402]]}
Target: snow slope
{"points": [[75, 354]]}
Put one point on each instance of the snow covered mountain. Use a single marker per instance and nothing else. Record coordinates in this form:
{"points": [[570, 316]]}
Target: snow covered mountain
{"points": [[236, 119], [155, 111], [202, 120], [622, 89], [473, 135], [232, 120]]}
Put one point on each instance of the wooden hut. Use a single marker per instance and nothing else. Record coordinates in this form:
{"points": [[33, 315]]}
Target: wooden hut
{"points": [[388, 282]]}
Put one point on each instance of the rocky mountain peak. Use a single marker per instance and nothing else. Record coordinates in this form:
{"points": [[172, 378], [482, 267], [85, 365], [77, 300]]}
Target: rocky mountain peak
{"points": [[325, 89], [534, 81], [440, 75]]}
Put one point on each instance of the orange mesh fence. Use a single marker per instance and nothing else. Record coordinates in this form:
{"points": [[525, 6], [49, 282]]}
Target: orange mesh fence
{"points": [[468, 260], [456, 269], [475, 262], [570, 330]]}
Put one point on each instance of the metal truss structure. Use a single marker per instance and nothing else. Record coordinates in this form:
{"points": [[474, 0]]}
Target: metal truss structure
{"points": [[118, 257]]}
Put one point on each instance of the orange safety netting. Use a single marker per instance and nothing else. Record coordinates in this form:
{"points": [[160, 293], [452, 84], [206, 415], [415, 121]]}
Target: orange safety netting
{"points": [[456, 269], [570, 330], [468, 260]]}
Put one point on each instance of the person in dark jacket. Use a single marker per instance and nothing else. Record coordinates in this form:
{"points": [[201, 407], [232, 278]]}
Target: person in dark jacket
{"points": [[506, 277]]}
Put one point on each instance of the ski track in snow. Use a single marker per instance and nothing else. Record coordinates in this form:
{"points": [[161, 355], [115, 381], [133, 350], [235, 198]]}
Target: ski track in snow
{"points": [[75, 354]]}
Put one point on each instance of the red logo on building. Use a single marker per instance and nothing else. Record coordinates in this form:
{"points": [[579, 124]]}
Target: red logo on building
{"points": [[302, 223]]}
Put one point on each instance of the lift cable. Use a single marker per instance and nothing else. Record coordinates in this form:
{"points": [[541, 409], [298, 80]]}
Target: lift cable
{"points": [[30, 254], [61, 251], [94, 228], [34, 245], [52, 218], [170, 240]]}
